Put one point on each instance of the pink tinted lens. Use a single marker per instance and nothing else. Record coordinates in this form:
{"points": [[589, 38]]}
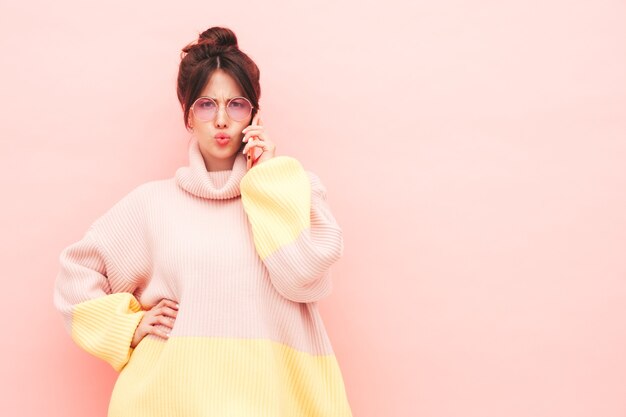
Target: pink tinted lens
{"points": [[205, 109], [239, 109]]}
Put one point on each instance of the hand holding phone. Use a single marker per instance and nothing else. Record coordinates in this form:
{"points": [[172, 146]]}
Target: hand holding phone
{"points": [[257, 137], [250, 154], [254, 127]]}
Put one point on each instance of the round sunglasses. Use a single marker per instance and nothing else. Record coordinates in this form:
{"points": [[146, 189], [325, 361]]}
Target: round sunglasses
{"points": [[237, 108]]}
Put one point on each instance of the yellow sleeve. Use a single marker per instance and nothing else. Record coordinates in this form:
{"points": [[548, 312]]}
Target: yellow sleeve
{"points": [[98, 276], [294, 231], [100, 321]]}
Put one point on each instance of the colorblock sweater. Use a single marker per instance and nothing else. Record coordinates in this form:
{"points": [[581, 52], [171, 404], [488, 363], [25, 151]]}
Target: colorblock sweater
{"points": [[246, 254]]}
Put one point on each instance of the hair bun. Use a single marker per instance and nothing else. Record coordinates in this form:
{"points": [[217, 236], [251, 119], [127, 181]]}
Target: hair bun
{"points": [[213, 41], [218, 36]]}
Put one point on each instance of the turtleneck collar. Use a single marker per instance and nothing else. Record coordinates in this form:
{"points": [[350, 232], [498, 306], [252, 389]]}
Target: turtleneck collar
{"points": [[218, 185]]}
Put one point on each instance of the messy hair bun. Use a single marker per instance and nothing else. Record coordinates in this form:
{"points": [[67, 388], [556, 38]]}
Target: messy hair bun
{"points": [[215, 48], [213, 41]]}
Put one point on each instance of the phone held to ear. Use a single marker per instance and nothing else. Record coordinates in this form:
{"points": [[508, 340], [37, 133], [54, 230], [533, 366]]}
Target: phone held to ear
{"points": [[250, 153]]}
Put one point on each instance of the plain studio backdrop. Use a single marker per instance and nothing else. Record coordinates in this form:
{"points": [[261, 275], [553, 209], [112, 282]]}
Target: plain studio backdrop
{"points": [[474, 154]]}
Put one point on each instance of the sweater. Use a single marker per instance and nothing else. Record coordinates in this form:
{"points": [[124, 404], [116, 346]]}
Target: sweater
{"points": [[246, 254]]}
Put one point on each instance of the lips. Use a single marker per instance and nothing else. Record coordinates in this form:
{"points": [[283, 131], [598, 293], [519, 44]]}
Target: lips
{"points": [[222, 139]]}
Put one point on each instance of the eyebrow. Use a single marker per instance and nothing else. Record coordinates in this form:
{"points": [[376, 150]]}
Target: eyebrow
{"points": [[215, 98]]}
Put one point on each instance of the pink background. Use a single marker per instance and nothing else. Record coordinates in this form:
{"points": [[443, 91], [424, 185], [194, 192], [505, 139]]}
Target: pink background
{"points": [[474, 153]]}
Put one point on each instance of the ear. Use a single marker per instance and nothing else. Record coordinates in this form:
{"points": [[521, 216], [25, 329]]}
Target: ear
{"points": [[190, 120]]}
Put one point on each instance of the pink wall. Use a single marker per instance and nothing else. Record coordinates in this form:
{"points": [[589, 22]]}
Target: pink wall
{"points": [[474, 153]]}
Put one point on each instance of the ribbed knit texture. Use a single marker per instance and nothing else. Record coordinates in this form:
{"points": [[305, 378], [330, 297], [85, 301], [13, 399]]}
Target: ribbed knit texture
{"points": [[246, 254]]}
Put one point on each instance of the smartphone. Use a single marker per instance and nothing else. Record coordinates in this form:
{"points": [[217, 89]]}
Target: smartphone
{"points": [[251, 150]]}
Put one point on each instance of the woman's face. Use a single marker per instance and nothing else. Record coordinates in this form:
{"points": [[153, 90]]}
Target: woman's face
{"points": [[217, 157]]}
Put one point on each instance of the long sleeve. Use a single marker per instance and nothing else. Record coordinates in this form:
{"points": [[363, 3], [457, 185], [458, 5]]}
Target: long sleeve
{"points": [[95, 284], [294, 231]]}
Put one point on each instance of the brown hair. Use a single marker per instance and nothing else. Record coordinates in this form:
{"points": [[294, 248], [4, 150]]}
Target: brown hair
{"points": [[215, 48]]}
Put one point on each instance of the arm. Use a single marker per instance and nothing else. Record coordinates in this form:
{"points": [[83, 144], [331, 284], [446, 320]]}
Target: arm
{"points": [[95, 284], [294, 231]]}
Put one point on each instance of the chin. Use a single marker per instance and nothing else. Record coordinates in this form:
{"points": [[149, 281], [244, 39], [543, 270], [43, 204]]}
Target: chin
{"points": [[224, 153]]}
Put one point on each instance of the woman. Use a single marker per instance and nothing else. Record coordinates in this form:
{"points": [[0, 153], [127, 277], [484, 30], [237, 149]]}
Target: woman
{"points": [[201, 289]]}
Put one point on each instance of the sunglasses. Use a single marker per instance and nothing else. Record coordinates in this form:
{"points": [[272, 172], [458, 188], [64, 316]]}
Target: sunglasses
{"points": [[237, 108]]}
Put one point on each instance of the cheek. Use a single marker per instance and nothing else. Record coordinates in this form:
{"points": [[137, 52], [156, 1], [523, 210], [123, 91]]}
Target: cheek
{"points": [[240, 134]]}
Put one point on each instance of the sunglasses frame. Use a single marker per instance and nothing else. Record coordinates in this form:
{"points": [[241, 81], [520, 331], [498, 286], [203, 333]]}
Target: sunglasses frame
{"points": [[218, 108]]}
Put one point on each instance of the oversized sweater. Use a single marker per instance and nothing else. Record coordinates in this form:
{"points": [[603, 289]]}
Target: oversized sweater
{"points": [[247, 255]]}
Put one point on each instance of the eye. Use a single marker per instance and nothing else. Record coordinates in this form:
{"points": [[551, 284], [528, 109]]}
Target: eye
{"points": [[206, 104], [239, 103]]}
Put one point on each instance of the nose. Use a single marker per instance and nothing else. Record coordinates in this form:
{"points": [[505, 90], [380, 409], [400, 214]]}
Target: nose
{"points": [[220, 117]]}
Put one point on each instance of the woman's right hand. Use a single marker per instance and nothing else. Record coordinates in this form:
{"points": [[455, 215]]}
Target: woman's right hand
{"points": [[164, 313]]}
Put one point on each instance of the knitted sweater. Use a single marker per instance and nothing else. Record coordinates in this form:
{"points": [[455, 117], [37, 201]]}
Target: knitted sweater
{"points": [[246, 254]]}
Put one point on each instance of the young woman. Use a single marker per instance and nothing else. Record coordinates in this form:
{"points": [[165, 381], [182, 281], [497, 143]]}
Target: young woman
{"points": [[201, 290]]}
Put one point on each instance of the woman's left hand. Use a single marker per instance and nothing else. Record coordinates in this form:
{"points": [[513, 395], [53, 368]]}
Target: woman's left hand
{"points": [[257, 137]]}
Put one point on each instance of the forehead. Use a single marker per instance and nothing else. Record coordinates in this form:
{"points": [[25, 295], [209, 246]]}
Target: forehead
{"points": [[221, 86]]}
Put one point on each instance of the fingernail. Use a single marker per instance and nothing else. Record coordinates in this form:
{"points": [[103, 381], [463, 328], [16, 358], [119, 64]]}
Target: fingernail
{"points": [[168, 335], [177, 305]]}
